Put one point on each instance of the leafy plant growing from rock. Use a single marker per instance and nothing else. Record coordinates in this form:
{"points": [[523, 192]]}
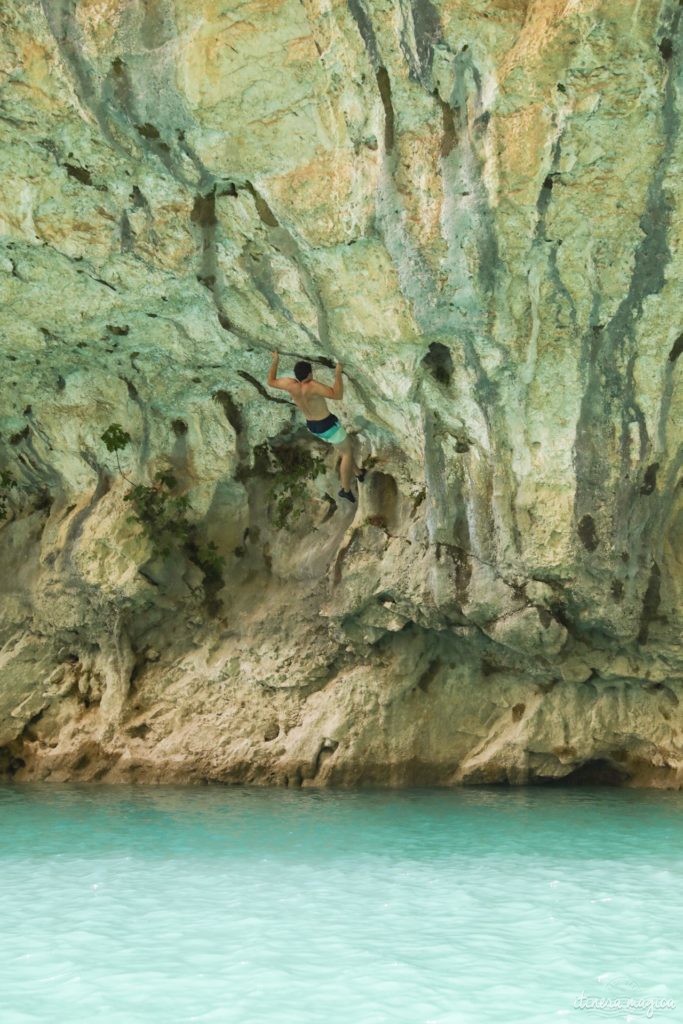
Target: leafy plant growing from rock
{"points": [[116, 439], [164, 517], [7, 482], [294, 467]]}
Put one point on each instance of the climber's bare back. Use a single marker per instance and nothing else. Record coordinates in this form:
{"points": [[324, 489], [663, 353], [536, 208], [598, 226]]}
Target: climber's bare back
{"points": [[306, 395]]}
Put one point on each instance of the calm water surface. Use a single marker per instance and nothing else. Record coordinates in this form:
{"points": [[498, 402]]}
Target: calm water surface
{"points": [[125, 905]]}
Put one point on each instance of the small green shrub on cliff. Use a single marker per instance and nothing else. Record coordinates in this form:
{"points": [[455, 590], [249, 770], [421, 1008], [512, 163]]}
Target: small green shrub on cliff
{"points": [[164, 517], [294, 467], [116, 439], [7, 482]]}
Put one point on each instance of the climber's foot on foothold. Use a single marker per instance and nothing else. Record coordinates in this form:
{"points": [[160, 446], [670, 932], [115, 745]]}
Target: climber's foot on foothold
{"points": [[348, 495], [360, 476]]}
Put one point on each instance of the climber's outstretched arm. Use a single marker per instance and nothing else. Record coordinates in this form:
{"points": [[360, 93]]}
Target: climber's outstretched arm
{"points": [[336, 391], [282, 383]]}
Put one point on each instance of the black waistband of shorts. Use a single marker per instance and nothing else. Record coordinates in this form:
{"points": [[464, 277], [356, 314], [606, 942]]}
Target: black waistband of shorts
{"points": [[320, 426]]}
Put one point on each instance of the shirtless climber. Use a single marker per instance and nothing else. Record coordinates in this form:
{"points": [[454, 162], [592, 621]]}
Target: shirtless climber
{"points": [[309, 395]]}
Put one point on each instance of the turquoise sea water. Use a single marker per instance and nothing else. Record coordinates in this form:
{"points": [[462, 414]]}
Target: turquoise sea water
{"points": [[424, 907]]}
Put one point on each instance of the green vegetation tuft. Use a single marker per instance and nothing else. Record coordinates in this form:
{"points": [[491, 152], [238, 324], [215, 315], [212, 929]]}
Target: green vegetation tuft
{"points": [[115, 437], [7, 482], [293, 467], [164, 518]]}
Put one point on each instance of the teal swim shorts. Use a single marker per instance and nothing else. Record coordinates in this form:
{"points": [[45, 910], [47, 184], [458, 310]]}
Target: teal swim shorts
{"points": [[328, 429]]}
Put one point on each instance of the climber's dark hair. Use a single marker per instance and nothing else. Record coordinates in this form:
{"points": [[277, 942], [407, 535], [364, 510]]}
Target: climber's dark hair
{"points": [[302, 369]]}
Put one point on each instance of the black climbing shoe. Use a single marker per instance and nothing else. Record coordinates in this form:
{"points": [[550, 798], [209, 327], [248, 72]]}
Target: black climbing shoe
{"points": [[348, 495], [360, 477]]}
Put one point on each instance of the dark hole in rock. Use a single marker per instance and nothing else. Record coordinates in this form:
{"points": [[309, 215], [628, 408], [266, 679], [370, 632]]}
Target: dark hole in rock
{"points": [[676, 349], [651, 602], [617, 589], [548, 182], [384, 86], [597, 772], [559, 612], [232, 413], [488, 668], [179, 427], [139, 732], [664, 690], [561, 87], [650, 479], [264, 211], [81, 174], [118, 332], [43, 500], [61, 383], [449, 136], [587, 533], [666, 48], [439, 362], [545, 617], [429, 675], [20, 436], [147, 130], [10, 764], [518, 711], [204, 210], [28, 410]]}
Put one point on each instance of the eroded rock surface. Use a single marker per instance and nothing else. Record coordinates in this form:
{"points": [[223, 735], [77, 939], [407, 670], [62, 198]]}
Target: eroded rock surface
{"points": [[476, 207]]}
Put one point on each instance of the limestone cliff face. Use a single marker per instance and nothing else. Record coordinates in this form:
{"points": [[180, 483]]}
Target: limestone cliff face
{"points": [[475, 207]]}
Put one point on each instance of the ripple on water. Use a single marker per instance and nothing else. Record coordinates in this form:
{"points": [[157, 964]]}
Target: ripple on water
{"points": [[425, 907]]}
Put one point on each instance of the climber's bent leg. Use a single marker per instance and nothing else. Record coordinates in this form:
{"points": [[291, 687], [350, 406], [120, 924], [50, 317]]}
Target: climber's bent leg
{"points": [[347, 466], [331, 430]]}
